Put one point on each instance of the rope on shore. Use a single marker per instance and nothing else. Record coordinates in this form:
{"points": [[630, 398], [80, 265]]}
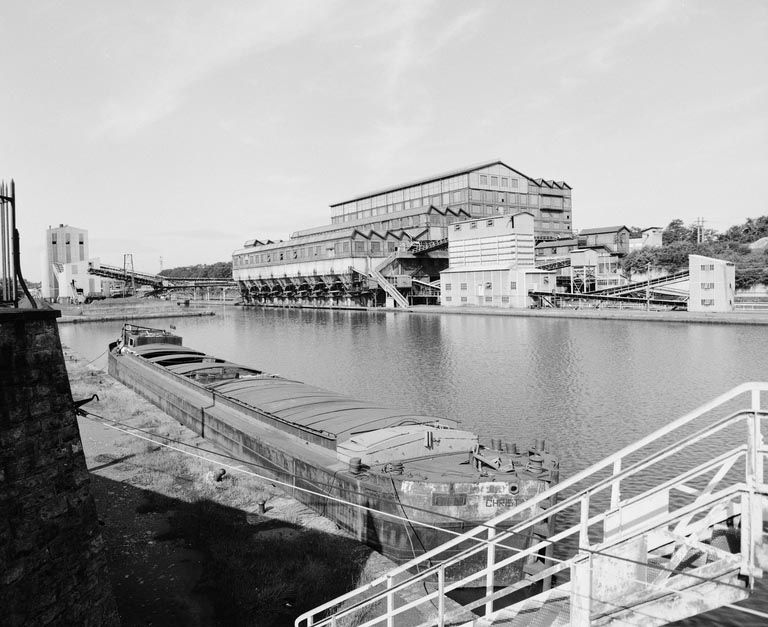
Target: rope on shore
{"points": [[129, 430]]}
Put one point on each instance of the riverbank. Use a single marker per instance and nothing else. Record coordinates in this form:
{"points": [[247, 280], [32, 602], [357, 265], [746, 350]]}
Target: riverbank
{"points": [[593, 313], [187, 549], [130, 309], [736, 317]]}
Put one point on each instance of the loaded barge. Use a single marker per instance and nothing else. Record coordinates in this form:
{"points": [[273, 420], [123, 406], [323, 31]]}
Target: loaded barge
{"points": [[399, 482]]}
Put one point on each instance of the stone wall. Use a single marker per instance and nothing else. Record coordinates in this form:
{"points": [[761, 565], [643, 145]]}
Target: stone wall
{"points": [[53, 566]]}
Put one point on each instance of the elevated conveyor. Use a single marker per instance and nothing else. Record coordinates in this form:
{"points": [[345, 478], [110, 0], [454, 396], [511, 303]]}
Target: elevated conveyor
{"points": [[157, 281], [641, 286], [668, 527]]}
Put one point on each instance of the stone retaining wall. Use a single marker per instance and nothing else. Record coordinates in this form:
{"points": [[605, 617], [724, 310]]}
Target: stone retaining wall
{"points": [[53, 567]]}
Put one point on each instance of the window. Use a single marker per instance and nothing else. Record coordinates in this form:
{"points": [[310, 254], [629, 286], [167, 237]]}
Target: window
{"points": [[463, 299], [359, 247], [281, 256], [456, 196], [295, 254], [391, 247], [483, 179], [707, 286], [504, 181], [81, 239], [317, 251], [448, 299], [489, 299], [706, 267], [707, 302], [513, 285], [505, 299], [457, 227], [495, 180], [463, 287], [375, 247], [447, 287], [66, 238], [513, 183], [345, 247]]}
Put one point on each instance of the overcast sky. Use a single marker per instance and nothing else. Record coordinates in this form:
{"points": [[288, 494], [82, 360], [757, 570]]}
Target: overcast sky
{"points": [[180, 129]]}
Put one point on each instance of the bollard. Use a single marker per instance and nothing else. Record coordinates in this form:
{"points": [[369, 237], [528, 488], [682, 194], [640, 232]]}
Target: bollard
{"points": [[262, 506]]}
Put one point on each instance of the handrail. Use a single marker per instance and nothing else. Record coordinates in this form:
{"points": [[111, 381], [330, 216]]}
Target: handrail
{"points": [[752, 451]]}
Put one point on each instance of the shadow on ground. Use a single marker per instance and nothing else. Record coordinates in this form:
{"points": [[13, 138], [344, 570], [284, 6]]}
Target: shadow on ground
{"points": [[174, 562]]}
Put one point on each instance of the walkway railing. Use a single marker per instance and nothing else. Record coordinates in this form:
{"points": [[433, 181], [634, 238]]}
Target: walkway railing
{"points": [[665, 528]]}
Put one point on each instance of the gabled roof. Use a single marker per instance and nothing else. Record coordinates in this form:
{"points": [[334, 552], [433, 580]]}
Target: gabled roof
{"points": [[604, 229], [449, 174]]}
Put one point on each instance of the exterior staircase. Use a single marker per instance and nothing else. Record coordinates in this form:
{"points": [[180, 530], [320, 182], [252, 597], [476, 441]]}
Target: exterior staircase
{"points": [[666, 528], [390, 289]]}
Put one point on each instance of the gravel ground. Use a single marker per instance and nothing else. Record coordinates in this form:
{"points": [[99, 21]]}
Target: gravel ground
{"points": [[141, 489]]}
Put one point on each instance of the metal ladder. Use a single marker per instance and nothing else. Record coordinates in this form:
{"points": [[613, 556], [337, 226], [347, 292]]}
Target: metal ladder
{"points": [[634, 543]]}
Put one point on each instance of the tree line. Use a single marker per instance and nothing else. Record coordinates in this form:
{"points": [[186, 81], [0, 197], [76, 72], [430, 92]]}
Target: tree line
{"points": [[218, 270]]}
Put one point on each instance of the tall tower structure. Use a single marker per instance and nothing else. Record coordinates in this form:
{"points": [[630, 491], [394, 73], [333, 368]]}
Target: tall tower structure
{"points": [[64, 245]]}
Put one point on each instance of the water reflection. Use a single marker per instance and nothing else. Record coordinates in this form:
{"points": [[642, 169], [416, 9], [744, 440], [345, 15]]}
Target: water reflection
{"points": [[589, 386]]}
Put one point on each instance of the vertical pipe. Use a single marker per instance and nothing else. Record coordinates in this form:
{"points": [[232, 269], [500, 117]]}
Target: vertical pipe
{"points": [[3, 246], [15, 237], [390, 603]]}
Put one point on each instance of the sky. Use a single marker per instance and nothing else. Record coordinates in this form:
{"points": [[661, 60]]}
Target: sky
{"points": [[179, 129]]}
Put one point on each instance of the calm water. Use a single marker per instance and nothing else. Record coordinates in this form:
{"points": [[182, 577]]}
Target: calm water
{"points": [[589, 386]]}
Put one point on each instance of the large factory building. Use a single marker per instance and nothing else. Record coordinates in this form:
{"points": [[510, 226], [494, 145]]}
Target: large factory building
{"points": [[390, 245]]}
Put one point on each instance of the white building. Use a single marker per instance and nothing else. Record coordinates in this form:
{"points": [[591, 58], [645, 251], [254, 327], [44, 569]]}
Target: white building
{"points": [[492, 263], [65, 264], [504, 239], [712, 284], [649, 238]]}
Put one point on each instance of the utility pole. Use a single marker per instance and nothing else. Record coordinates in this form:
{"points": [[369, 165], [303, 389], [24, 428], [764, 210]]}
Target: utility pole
{"points": [[699, 230]]}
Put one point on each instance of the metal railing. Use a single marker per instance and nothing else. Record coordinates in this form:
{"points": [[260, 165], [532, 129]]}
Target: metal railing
{"points": [[10, 259], [628, 535]]}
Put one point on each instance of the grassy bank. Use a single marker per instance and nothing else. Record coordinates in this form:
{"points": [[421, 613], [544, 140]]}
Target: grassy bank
{"points": [[187, 549]]}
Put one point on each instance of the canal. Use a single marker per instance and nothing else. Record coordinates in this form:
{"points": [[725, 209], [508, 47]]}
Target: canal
{"points": [[590, 387]]}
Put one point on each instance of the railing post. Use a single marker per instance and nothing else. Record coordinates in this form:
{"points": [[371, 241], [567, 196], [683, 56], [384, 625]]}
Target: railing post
{"points": [[581, 572], [584, 522], [441, 597], [616, 486], [390, 603], [751, 501], [757, 436], [489, 576]]}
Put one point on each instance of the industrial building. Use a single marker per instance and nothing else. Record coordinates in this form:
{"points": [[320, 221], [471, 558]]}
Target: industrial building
{"points": [[390, 245], [712, 284], [65, 259], [492, 263]]}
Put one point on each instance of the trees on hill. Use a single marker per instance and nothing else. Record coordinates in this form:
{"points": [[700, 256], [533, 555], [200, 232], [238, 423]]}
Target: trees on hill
{"points": [[218, 270], [680, 240]]}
